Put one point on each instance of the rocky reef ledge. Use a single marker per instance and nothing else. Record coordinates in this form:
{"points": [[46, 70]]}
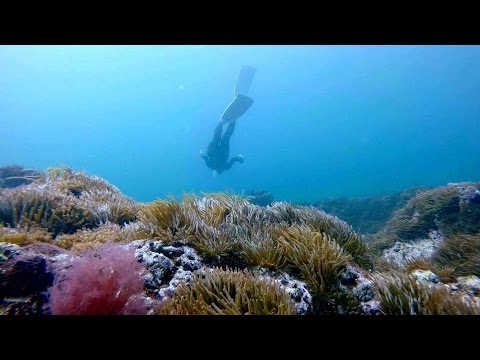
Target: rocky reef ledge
{"points": [[72, 243]]}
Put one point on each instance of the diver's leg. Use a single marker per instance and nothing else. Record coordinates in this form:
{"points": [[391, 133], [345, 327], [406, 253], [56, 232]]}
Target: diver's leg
{"points": [[228, 133], [224, 146], [217, 135], [217, 139]]}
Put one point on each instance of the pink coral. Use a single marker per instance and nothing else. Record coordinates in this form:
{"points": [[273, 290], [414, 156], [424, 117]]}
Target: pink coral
{"points": [[104, 281]]}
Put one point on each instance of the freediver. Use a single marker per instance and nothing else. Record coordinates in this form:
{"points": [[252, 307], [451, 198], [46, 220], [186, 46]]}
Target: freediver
{"points": [[218, 149]]}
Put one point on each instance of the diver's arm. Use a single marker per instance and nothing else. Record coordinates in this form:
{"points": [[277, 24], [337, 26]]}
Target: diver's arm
{"points": [[229, 164], [206, 158]]}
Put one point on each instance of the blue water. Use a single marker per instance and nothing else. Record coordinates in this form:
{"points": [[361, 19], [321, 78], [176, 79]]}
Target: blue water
{"points": [[327, 120]]}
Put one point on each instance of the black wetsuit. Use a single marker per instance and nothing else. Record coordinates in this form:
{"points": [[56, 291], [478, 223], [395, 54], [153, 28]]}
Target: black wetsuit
{"points": [[218, 150]]}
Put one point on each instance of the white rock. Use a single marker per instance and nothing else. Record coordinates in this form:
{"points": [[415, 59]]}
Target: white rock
{"points": [[471, 284], [425, 276]]}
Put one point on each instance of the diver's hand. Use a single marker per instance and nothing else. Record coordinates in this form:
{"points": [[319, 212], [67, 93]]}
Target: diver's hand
{"points": [[240, 158], [202, 153]]}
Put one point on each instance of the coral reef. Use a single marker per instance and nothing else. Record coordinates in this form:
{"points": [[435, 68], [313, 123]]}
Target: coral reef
{"points": [[460, 251], [24, 236], [88, 239], [66, 201], [367, 215], [228, 292], [402, 294], [317, 257], [450, 209], [71, 243], [15, 175], [31, 205]]}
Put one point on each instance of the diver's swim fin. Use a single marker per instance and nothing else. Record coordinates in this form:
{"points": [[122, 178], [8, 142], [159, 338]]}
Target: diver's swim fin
{"points": [[244, 80], [237, 108]]}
